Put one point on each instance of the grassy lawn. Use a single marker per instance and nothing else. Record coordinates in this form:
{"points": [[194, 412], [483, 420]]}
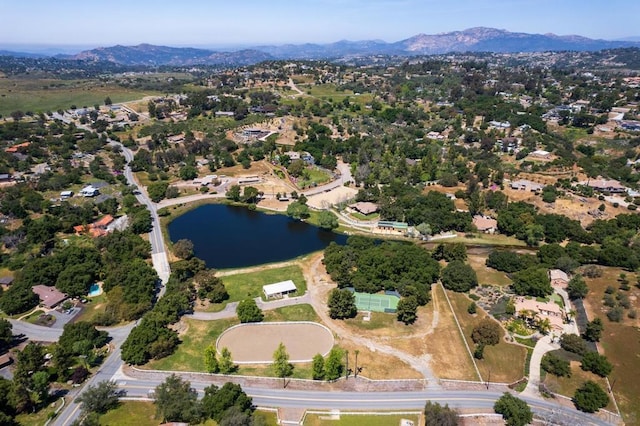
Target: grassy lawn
{"points": [[33, 317], [142, 413], [379, 320], [249, 285], [40, 417], [504, 362], [619, 341], [311, 177], [189, 354], [360, 216], [292, 313], [41, 95], [93, 306], [485, 274], [380, 419], [486, 239], [131, 413]]}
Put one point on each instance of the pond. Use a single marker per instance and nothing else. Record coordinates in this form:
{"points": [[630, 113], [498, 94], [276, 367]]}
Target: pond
{"points": [[235, 237]]}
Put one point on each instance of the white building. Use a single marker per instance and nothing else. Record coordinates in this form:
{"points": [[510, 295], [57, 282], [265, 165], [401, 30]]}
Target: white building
{"points": [[278, 290]]}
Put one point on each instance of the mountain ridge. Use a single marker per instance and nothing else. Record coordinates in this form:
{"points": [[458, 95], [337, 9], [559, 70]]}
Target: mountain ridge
{"points": [[476, 39]]}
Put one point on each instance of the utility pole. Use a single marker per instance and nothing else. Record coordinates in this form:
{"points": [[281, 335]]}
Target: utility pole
{"points": [[346, 370], [355, 374]]}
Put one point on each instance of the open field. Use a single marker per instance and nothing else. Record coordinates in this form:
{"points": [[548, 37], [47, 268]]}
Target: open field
{"points": [[485, 274], [93, 306], [620, 342], [486, 239], [449, 357], [504, 362], [380, 419], [42, 95], [311, 177]]}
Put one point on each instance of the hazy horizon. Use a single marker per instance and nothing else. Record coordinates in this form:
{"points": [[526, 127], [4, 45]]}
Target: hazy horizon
{"points": [[67, 25]]}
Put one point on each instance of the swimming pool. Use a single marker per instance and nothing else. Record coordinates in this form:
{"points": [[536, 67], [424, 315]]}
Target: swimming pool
{"points": [[94, 290]]}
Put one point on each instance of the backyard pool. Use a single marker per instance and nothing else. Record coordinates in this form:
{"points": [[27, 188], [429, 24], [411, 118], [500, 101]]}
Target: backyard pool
{"points": [[95, 290]]}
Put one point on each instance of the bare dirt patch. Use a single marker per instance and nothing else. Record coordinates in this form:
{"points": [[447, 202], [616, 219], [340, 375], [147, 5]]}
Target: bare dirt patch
{"points": [[256, 343]]}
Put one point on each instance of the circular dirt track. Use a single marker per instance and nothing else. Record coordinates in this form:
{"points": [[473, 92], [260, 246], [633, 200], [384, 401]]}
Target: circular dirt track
{"points": [[255, 343]]}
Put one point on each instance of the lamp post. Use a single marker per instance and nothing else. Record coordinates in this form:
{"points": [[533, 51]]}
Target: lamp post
{"points": [[355, 370]]}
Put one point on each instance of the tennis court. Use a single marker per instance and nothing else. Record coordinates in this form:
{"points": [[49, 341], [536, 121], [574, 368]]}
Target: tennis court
{"points": [[376, 302]]}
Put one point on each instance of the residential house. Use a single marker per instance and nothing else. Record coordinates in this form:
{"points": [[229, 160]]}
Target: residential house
{"points": [[485, 224], [558, 278], [50, 297], [365, 207], [534, 310], [524, 185], [89, 191], [606, 185]]}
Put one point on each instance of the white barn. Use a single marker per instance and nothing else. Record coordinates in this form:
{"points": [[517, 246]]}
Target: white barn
{"points": [[277, 290]]}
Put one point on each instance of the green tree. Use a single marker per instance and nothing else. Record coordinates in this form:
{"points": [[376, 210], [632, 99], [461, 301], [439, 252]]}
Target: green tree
{"points": [[407, 310], [297, 210], [532, 282], [211, 360], [342, 304], [458, 276], [577, 288], [81, 337], [327, 220], [107, 100], [590, 397], [594, 329], [437, 415], [514, 411], [100, 398], [176, 401], [157, 191], [333, 366], [248, 311], [573, 343], [217, 402], [183, 248], [281, 365], [317, 367], [225, 363], [188, 172], [5, 333], [486, 333], [250, 195], [596, 363], [233, 193], [556, 366]]}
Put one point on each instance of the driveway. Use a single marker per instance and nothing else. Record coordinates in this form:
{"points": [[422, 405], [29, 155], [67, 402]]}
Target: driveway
{"points": [[63, 318]]}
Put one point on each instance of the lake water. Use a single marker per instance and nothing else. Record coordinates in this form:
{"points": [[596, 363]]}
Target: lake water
{"points": [[234, 237]]}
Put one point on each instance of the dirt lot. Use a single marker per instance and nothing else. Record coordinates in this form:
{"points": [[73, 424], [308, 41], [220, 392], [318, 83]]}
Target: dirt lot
{"points": [[256, 343], [335, 196]]}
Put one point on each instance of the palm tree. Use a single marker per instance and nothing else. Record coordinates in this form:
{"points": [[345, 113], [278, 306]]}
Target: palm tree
{"points": [[543, 325]]}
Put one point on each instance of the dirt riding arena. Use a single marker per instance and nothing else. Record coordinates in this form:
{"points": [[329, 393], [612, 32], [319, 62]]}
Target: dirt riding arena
{"points": [[255, 343]]}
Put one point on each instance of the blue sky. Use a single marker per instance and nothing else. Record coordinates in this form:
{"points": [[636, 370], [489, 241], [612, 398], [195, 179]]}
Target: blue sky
{"points": [[211, 23]]}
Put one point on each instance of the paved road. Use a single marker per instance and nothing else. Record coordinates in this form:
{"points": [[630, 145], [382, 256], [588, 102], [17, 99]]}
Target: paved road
{"points": [[345, 176], [371, 401], [113, 362], [229, 311]]}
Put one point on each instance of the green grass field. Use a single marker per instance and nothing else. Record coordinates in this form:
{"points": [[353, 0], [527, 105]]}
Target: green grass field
{"points": [[42, 95], [312, 177], [39, 417], [380, 419], [249, 285]]}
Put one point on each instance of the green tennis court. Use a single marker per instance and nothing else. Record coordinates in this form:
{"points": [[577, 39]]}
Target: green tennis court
{"points": [[376, 302]]}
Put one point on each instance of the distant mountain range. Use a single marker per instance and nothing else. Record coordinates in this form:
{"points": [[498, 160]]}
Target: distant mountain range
{"points": [[478, 39]]}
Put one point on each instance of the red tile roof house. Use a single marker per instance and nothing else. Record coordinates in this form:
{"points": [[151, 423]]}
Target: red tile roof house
{"points": [[50, 297], [485, 224], [541, 310], [558, 278]]}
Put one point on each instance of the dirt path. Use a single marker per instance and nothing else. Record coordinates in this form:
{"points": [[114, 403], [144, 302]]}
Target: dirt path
{"points": [[319, 285]]}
